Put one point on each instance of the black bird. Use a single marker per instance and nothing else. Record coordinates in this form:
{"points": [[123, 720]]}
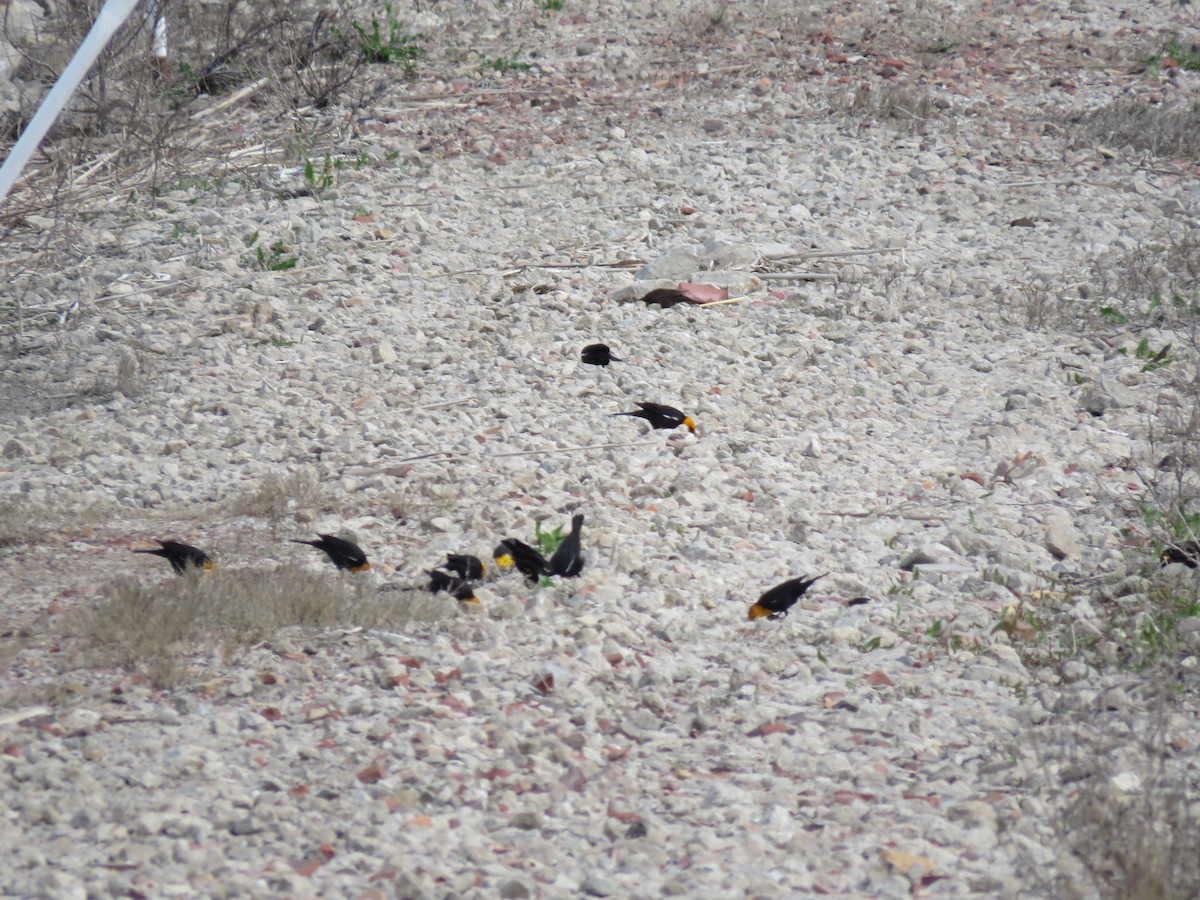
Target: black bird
{"points": [[776, 602], [660, 416], [342, 553], [567, 560], [465, 593], [461, 589], [1187, 553], [529, 562], [443, 581], [598, 355], [181, 556], [465, 566]]}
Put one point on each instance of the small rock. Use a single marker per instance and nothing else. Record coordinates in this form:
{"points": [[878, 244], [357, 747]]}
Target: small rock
{"points": [[597, 884], [728, 254], [1104, 394], [526, 821], [922, 556], [1127, 782], [1062, 538], [242, 686], [246, 826], [1074, 670], [383, 352], [513, 890], [973, 813], [677, 264], [81, 721]]}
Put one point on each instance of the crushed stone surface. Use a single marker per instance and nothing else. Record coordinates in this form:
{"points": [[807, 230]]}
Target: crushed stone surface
{"points": [[906, 213]]}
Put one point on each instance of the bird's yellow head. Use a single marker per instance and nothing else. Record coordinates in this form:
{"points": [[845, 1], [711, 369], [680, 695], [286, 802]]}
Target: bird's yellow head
{"points": [[757, 612], [691, 425]]}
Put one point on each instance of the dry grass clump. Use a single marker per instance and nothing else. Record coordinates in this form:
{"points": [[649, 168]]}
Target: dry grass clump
{"points": [[25, 521], [1158, 280], [1155, 284], [1129, 796], [153, 628], [280, 497], [137, 122], [19, 523], [895, 104], [1159, 129]]}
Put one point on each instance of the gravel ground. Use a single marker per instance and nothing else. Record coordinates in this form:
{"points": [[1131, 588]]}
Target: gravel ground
{"points": [[913, 218]]}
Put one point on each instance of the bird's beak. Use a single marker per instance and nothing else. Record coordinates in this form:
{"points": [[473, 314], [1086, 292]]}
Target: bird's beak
{"points": [[691, 426]]}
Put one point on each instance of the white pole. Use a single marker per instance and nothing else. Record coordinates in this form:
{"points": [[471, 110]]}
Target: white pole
{"points": [[112, 16]]}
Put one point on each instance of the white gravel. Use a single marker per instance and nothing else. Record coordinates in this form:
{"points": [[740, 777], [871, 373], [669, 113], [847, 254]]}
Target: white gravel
{"points": [[629, 733]]}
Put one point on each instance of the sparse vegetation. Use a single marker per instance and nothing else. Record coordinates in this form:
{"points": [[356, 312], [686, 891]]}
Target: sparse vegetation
{"points": [[320, 178], [387, 41], [281, 496], [21, 522], [153, 628], [1167, 130], [1187, 58], [1129, 814], [897, 105], [547, 541], [276, 260], [504, 64]]}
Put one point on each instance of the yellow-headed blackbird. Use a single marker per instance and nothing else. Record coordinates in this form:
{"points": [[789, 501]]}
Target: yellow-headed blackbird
{"points": [[461, 589], [1187, 553], [527, 561], [598, 355], [776, 602], [567, 560], [464, 566], [443, 581], [660, 416], [342, 553], [181, 556], [465, 593]]}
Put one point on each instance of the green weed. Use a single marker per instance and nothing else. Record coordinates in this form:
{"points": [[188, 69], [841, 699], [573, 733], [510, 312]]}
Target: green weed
{"points": [[276, 260], [1180, 522], [387, 42], [504, 64], [547, 541], [1187, 58], [1152, 359]]}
